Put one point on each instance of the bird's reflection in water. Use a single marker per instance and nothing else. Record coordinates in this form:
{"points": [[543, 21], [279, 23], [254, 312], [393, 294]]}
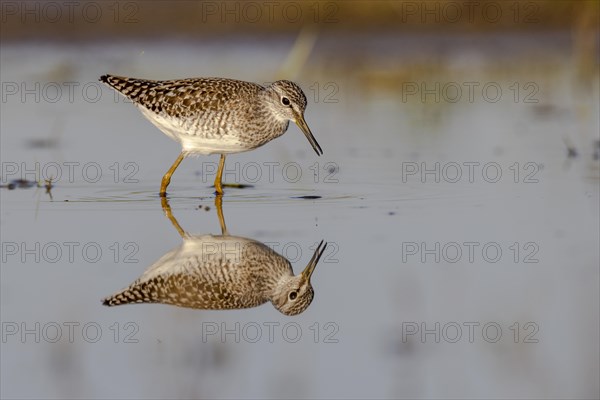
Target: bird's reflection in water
{"points": [[218, 272]]}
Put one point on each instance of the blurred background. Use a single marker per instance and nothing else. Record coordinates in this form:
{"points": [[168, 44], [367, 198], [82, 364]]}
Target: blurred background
{"points": [[458, 191]]}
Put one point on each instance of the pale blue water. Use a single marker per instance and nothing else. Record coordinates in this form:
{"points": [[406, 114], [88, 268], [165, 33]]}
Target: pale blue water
{"points": [[412, 243]]}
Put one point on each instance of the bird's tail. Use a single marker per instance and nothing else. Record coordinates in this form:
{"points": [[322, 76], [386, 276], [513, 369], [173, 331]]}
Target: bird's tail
{"points": [[143, 292], [132, 88], [113, 81], [125, 297]]}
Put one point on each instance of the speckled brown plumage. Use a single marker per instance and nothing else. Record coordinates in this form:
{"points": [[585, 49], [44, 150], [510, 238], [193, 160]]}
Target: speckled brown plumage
{"points": [[222, 272], [211, 108], [216, 115]]}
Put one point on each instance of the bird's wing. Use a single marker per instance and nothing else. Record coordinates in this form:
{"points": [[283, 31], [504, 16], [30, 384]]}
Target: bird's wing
{"points": [[206, 272], [182, 97]]}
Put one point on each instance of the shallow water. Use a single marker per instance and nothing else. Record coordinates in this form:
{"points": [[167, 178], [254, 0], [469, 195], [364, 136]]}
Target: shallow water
{"points": [[479, 279]]}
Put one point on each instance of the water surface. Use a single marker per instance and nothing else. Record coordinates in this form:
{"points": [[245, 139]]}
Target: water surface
{"points": [[407, 194]]}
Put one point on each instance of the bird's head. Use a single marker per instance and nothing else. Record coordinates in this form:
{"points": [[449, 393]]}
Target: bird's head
{"points": [[288, 103], [294, 294]]}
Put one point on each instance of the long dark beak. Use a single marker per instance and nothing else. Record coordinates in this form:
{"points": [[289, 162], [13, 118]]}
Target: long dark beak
{"points": [[310, 268], [313, 142]]}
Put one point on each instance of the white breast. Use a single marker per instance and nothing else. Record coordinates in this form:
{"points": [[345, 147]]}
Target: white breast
{"points": [[179, 130]]}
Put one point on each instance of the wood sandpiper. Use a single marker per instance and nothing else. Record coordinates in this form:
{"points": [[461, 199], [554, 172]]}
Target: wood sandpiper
{"points": [[216, 115]]}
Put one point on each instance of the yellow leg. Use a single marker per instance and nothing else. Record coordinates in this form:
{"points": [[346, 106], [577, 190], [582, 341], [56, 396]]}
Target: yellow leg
{"points": [[167, 178], [218, 186], [167, 210], [219, 206]]}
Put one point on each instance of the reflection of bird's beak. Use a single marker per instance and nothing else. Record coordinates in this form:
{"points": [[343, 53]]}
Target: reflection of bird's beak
{"points": [[313, 142], [310, 268]]}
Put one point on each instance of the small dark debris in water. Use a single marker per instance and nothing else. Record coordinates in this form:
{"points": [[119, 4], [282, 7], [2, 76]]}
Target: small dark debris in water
{"points": [[237, 185], [66, 200], [391, 213], [571, 149], [21, 184], [206, 208], [48, 186], [42, 143], [24, 183], [307, 197], [544, 110], [333, 168]]}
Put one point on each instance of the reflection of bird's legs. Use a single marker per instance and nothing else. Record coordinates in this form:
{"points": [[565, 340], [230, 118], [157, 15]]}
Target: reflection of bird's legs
{"points": [[219, 206], [167, 178], [164, 202], [218, 187]]}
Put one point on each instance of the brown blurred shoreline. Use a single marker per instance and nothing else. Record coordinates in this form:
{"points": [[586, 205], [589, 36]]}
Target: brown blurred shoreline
{"points": [[101, 20]]}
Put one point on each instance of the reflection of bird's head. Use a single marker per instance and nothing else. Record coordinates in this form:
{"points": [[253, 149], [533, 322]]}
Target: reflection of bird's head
{"points": [[294, 294]]}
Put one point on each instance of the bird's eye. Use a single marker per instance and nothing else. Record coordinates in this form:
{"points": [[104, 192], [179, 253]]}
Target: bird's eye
{"points": [[293, 295], [285, 101]]}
